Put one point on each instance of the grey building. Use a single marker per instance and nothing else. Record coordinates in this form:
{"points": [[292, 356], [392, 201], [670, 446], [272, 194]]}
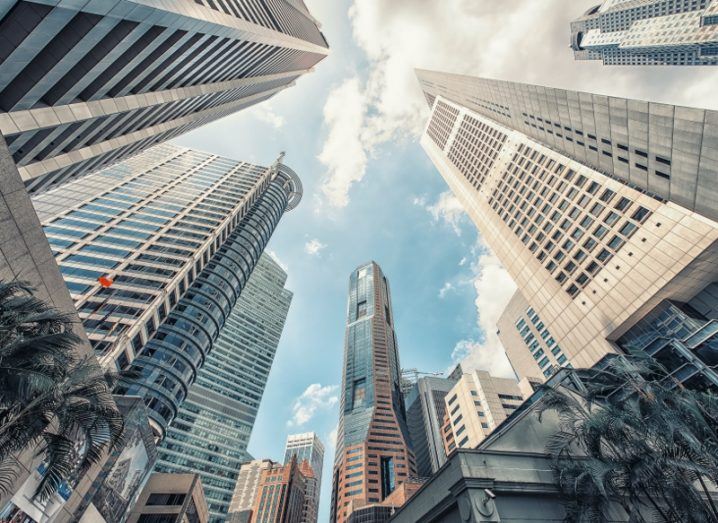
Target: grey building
{"points": [[650, 32], [83, 85], [664, 150], [307, 446], [211, 432], [425, 409]]}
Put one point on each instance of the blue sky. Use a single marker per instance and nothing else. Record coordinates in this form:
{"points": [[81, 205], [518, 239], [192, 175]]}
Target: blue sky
{"points": [[350, 130]]}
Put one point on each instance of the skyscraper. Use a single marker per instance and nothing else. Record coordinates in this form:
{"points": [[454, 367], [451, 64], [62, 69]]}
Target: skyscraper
{"points": [[663, 150], [477, 404], [281, 493], [211, 432], [651, 32], [308, 446], [425, 409], [591, 250], [83, 85], [373, 454], [175, 234], [245, 490]]}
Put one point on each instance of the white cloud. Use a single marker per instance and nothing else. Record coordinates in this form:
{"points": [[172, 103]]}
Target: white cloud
{"points": [[448, 286], [265, 113], [448, 209], [315, 398], [463, 261], [314, 247], [332, 438], [494, 288], [481, 38]]}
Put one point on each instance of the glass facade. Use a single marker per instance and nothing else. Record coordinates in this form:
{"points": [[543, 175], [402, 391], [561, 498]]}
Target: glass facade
{"points": [[683, 337], [211, 432], [308, 447]]}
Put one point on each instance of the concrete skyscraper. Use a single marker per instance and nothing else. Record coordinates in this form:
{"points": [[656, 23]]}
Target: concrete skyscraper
{"points": [[175, 233], [83, 85], [211, 432], [308, 446], [650, 32], [599, 208], [373, 454], [425, 409]]}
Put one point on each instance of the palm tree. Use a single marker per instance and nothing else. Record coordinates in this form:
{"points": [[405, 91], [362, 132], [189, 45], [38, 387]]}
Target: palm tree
{"points": [[51, 398], [630, 435]]}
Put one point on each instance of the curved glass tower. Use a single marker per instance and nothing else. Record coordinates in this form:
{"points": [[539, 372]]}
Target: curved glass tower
{"points": [[373, 454], [169, 363]]}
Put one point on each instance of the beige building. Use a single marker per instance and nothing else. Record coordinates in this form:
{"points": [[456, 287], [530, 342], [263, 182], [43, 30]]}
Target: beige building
{"points": [[477, 404], [245, 490], [590, 254], [171, 495]]}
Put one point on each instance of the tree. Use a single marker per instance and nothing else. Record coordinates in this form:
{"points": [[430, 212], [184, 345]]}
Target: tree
{"points": [[631, 435], [51, 398]]}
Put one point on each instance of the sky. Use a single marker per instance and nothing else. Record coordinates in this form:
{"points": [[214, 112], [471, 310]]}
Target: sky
{"points": [[350, 130]]}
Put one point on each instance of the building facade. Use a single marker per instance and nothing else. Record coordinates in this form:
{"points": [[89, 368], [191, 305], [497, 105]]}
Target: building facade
{"points": [[308, 447], [591, 252], [175, 234], [85, 85], [653, 32], [171, 497], [245, 489], [477, 404], [663, 150], [211, 432], [425, 409], [373, 454], [281, 493]]}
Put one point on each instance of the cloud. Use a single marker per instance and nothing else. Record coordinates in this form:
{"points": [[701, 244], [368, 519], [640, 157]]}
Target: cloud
{"points": [[314, 247], [265, 113], [463, 261], [494, 288], [332, 438], [315, 398], [481, 38], [448, 286], [448, 209]]}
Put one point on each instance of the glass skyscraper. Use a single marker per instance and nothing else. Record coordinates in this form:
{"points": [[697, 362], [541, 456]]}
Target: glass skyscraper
{"points": [[373, 454], [175, 234], [308, 446], [87, 84], [210, 434]]}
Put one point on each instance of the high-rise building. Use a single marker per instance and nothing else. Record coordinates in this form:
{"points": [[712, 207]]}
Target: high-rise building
{"points": [[650, 32], [211, 432], [83, 85], [174, 234], [478, 403], [373, 454], [308, 446], [171, 497], [663, 150], [591, 248], [281, 493], [245, 489], [425, 409]]}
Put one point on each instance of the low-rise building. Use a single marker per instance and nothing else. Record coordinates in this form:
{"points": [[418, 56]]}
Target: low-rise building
{"points": [[171, 497]]}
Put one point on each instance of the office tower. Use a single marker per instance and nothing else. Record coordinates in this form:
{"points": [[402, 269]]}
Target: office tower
{"points": [[664, 150], [308, 446], [478, 403], [83, 85], [245, 489], [281, 492], [175, 234], [373, 454], [171, 497], [211, 432], [591, 250], [425, 409], [651, 32]]}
